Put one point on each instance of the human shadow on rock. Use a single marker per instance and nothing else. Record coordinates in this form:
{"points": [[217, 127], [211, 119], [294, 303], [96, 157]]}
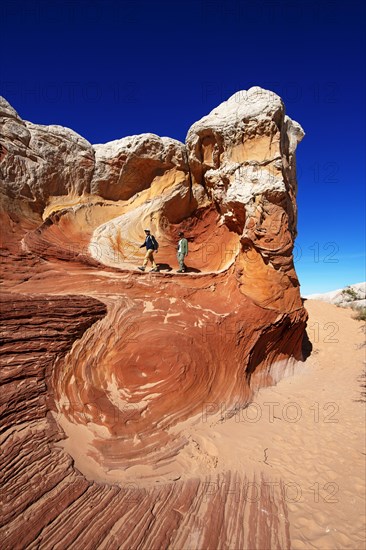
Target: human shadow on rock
{"points": [[192, 270], [164, 267]]}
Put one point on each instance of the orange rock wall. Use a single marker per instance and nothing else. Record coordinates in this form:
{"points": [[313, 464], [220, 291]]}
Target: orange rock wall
{"points": [[104, 366]]}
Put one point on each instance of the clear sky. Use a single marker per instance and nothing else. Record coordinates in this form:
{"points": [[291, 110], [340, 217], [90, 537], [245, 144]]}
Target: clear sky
{"points": [[108, 69]]}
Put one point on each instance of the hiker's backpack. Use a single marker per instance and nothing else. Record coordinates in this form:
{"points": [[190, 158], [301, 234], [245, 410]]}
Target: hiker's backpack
{"points": [[154, 242]]}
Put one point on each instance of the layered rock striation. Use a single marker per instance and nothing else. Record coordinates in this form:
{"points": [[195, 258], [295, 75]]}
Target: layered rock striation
{"points": [[107, 369]]}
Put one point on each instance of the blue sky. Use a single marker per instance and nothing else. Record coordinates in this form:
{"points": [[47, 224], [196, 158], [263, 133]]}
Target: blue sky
{"points": [[110, 69]]}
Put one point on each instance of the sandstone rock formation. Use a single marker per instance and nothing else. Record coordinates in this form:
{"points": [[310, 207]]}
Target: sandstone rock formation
{"points": [[353, 296], [108, 370], [243, 154], [39, 162]]}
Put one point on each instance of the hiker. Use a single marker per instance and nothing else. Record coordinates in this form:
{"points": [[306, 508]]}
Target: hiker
{"points": [[151, 247], [182, 252]]}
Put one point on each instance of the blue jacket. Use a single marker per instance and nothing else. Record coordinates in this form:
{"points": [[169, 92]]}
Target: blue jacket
{"points": [[149, 243]]}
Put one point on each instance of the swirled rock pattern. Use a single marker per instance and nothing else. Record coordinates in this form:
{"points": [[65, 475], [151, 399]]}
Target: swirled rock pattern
{"points": [[108, 370]]}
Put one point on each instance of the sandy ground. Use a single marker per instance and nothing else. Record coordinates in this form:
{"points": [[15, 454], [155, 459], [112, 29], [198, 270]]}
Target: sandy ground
{"points": [[308, 432]]}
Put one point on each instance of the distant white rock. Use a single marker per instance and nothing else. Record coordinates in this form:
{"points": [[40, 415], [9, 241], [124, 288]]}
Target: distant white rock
{"points": [[352, 295]]}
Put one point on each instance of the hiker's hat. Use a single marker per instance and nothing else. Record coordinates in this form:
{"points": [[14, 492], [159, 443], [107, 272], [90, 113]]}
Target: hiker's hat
{"points": [[147, 230], [180, 233]]}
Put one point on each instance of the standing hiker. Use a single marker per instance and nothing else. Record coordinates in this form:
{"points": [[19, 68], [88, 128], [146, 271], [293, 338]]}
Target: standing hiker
{"points": [[151, 247], [182, 252]]}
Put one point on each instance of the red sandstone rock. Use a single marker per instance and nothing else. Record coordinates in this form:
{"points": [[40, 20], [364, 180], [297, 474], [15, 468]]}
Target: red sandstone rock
{"points": [[104, 366]]}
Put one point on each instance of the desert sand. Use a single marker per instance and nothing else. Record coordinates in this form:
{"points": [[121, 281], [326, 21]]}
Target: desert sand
{"points": [[310, 434]]}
